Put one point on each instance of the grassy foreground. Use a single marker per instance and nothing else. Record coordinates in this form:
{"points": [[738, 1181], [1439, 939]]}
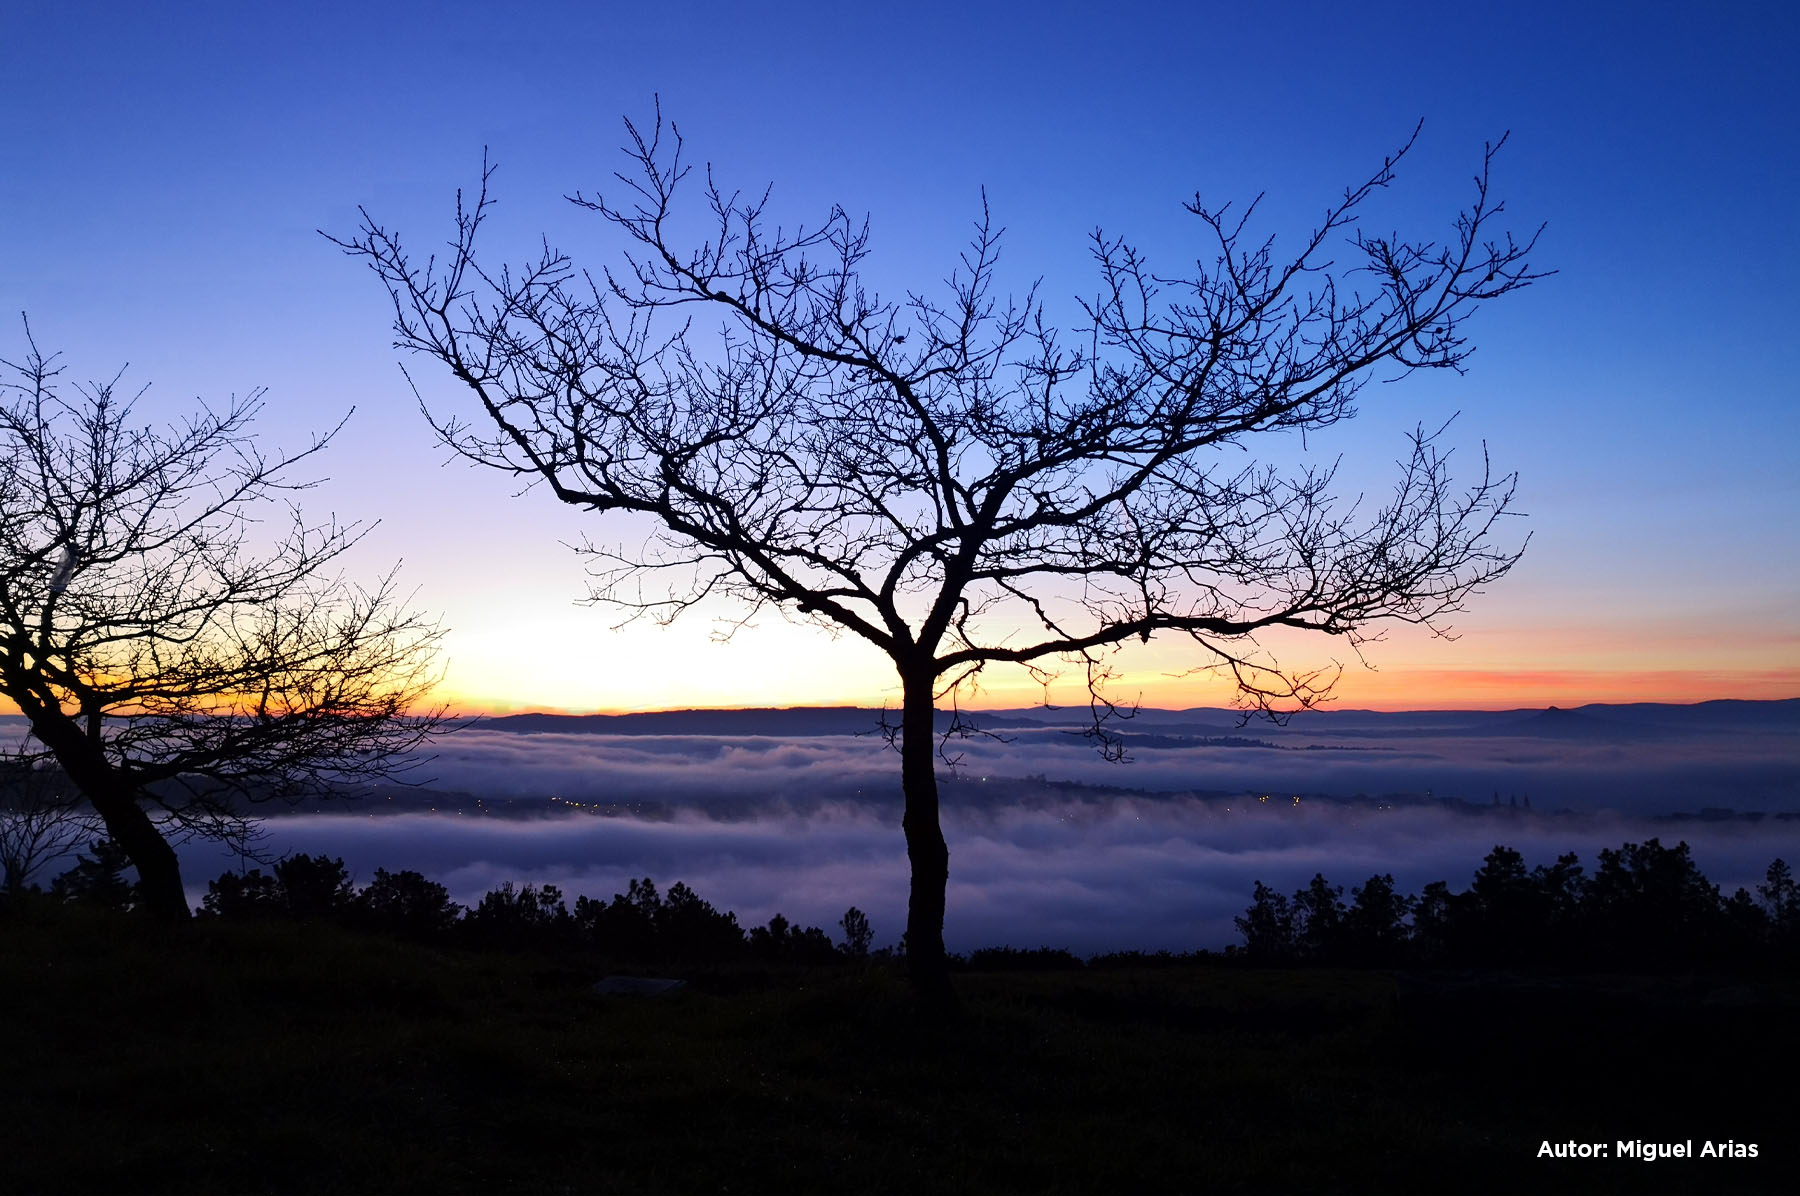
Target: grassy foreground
{"points": [[302, 1058]]}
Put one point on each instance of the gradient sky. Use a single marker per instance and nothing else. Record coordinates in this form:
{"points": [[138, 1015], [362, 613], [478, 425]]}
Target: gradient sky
{"points": [[166, 167]]}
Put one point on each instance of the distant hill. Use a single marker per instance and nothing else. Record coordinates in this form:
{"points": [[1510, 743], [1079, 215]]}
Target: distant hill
{"points": [[796, 722], [1720, 714], [1587, 724], [1597, 722]]}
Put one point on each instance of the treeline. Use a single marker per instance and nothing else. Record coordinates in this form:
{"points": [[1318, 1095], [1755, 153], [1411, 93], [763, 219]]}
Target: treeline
{"points": [[641, 925], [1645, 907]]}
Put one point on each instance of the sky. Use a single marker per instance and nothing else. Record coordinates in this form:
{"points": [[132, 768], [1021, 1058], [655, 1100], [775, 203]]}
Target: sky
{"points": [[168, 167]]}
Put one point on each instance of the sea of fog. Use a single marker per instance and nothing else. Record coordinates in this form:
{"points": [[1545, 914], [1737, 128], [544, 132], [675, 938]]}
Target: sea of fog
{"points": [[1050, 844], [1640, 770]]}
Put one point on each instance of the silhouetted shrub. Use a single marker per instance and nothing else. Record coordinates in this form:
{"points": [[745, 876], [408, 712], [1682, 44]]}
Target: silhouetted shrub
{"points": [[1015, 959], [782, 942], [243, 895], [1155, 959], [98, 879]]}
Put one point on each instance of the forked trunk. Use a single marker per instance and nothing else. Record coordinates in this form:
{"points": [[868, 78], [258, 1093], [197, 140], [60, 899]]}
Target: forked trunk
{"points": [[925, 847]]}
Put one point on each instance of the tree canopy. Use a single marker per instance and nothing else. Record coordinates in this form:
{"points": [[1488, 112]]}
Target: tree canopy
{"points": [[177, 656], [950, 476]]}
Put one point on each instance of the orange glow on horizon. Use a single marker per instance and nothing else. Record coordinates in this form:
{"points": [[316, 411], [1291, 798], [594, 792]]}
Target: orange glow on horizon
{"points": [[1387, 690], [567, 664]]}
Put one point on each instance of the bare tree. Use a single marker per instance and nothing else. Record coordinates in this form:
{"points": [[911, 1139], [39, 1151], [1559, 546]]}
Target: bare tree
{"points": [[172, 669], [42, 817], [949, 476]]}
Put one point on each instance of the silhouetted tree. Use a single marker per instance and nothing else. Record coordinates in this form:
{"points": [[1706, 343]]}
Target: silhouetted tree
{"points": [[527, 916], [1507, 913], [1375, 927], [628, 926], [938, 475], [1781, 901], [1319, 919], [1650, 902], [314, 886], [406, 903], [689, 927], [1502, 880], [171, 669], [1561, 888], [1744, 926], [767, 941], [591, 919], [858, 934], [1268, 926], [1437, 922]]}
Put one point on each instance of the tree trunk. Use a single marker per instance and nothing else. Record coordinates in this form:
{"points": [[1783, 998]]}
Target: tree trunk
{"points": [[925, 847], [159, 871]]}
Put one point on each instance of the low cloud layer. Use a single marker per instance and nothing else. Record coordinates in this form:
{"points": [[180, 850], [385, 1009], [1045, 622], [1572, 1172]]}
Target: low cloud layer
{"points": [[1748, 766], [1050, 845], [1745, 771]]}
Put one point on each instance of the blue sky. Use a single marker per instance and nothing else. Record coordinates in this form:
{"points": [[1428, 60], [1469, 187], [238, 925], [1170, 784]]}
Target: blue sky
{"points": [[167, 167]]}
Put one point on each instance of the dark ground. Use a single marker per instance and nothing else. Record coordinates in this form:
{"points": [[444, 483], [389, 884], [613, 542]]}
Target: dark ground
{"points": [[296, 1058]]}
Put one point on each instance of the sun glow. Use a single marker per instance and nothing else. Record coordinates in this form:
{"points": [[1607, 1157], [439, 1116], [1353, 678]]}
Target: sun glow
{"points": [[571, 661]]}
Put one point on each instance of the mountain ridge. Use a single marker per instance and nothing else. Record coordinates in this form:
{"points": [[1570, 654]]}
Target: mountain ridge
{"points": [[1620, 720]]}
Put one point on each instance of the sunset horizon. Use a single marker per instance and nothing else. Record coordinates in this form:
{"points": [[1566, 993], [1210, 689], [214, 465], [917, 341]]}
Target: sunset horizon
{"points": [[465, 708]]}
